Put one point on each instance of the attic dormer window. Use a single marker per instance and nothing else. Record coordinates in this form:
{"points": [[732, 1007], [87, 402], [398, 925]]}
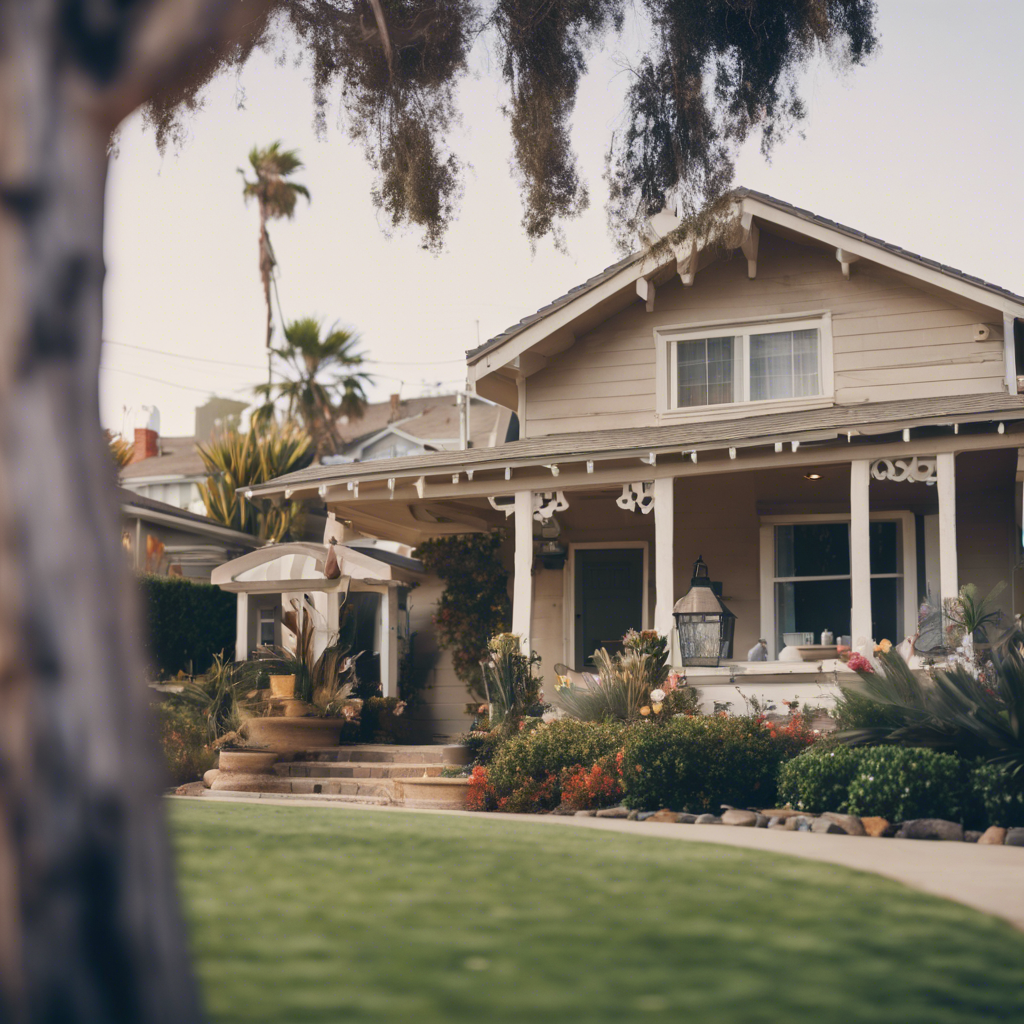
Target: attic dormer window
{"points": [[757, 364]]}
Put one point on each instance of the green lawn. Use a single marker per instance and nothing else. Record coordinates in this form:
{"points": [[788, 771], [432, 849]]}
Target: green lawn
{"points": [[329, 915]]}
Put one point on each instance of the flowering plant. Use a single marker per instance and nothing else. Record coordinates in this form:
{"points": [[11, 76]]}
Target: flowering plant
{"points": [[858, 663]]}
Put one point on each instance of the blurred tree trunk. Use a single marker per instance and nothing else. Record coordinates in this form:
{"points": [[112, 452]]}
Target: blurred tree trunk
{"points": [[90, 929]]}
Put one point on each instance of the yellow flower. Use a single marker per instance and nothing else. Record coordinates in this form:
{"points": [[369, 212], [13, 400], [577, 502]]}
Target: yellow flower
{"points": [[656, 708], [885, 646], [645, 711]]}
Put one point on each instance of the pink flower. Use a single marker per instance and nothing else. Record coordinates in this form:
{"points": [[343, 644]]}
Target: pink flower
{"points": [[858, 663]]}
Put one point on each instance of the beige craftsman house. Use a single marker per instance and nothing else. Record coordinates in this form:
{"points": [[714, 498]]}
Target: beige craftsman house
{"points": [[830, 421]]}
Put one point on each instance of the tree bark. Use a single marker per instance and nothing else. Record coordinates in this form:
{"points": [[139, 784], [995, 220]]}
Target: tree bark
{"points": [[89, 924]]}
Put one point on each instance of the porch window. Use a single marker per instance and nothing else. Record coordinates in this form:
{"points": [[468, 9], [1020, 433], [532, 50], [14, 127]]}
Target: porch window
{"points": [[266, 627], [812, 579], [748, 364]]}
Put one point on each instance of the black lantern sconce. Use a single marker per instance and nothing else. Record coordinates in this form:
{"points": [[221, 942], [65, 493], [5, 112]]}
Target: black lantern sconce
{"points": [[704, 624]]}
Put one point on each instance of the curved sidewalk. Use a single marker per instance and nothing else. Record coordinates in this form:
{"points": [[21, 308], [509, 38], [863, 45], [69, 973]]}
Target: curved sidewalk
{"points": [[987, 878]]}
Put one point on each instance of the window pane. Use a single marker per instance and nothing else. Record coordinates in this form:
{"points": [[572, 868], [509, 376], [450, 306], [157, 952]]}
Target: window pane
{"points": [[812, 549], [705, 371], [812, 606], [784, 364], [884, 547], [886, 610]]}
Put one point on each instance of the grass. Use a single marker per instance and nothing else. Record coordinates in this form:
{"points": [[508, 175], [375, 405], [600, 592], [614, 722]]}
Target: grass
{"points": [[303, 915]]}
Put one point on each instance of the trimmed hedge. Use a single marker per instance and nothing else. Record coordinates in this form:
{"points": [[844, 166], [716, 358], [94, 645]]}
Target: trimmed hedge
{"points": [[901, 783], [187, 624], [697, 764]]}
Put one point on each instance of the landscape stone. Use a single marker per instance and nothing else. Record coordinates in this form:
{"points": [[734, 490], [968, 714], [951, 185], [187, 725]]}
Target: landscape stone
{"points": [[746, 819], [633, 815], [210, 776], [874, 826], [993, 836], [849, 823], [970, 836], [707, 819], [932, 828], [665, 815], [776, 822], [191, 789], [762, 821], [585, 814], [798, 823], [779, 827], [1014, 837], [686, 818], [827, 827], [565, 810], [781, 812], [644, 815], [613, 812]]}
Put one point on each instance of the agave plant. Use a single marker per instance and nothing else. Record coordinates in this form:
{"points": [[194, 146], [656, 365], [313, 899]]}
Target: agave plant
{"points": [[972, 714], [235, 460], [219, 696]]}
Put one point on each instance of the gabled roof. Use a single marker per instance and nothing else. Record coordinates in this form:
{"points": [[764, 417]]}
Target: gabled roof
{"points": [[137, 506], [767, 204]]}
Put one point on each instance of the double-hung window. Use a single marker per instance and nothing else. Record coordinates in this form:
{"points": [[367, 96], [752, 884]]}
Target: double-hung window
{"points": [[786, 361]]}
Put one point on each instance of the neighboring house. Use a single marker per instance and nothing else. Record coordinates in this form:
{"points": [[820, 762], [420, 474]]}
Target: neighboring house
{"points": [[166, 540], [832, 422], [169, 469]]}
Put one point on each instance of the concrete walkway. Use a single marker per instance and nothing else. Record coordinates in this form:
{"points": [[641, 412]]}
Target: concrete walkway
{"points": [[987, 878]]}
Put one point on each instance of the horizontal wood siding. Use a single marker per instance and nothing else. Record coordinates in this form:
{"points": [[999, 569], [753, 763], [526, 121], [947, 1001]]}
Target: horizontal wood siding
{"points": [[891, 339]]}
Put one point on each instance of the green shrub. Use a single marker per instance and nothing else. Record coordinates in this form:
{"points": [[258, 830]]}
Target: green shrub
{"points": [[697, 764], [853, 710], [184, 741], [536, 753], [187, 623], [819, 779], [900, 783], [996, 797]]}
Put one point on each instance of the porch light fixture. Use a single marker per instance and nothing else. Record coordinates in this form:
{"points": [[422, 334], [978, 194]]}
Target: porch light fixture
{"points": [[704, 624], [322, 490], [812, 476], [590, 465]]}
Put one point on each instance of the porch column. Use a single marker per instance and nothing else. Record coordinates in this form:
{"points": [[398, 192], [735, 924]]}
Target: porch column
{"points": [[945, 472], [389, 642], [860, 551], [664, 553], [522, 585], [242, 627]]}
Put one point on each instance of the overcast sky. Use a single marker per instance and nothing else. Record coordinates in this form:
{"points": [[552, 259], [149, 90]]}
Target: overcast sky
{"points": [[922, 148]]}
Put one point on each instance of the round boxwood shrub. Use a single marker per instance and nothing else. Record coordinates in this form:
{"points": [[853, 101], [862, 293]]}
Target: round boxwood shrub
{"points": [[819, 779], [997, 798], [545, 750], [697, 764], [901, 783]]}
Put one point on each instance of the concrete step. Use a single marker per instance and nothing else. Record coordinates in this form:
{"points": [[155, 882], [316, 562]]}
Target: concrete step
{"points": [[330, 798], [387, 753], [356, 769]]}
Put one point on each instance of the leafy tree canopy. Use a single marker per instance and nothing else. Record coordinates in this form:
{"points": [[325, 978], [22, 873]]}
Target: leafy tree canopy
{"points": [[713, 73]]}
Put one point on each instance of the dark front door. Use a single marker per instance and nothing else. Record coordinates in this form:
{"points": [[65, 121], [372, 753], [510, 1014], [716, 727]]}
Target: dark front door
{"points": [[609, 598]]}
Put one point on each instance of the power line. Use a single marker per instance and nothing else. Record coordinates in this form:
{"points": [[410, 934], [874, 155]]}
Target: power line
{"points": [[180, 355]]}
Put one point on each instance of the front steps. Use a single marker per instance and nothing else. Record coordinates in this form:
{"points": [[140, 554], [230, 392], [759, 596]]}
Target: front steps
{"points": [[363, 773]]}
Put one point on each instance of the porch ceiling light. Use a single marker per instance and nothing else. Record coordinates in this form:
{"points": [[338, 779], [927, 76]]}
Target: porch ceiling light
{"points": [[704, 624], [812, 476]]}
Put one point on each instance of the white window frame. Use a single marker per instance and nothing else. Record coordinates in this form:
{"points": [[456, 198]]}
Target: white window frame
{"points": [[666, 338], [908, 569]]}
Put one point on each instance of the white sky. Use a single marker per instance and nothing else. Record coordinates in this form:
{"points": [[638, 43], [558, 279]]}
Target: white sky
{"points": [[922, 148]]}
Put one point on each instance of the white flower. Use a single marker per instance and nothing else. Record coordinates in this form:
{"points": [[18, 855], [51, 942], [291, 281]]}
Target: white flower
{"points": [[657, 696]]}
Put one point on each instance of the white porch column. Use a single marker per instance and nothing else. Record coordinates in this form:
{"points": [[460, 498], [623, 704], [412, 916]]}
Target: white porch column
{"points": [[664, 554], [522, 584], [242, 627], [945, 472], [389, 642], [860, 550]]}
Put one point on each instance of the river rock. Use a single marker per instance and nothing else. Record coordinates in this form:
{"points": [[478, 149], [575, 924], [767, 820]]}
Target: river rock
{"points": [[665, 815], [644, 815], [686, 818], [827, 827], [564, 810], [632, 816], [849, 823], [613, 812], [932, 828], [585, 814], [707, 819], [970, 836], [210, 777], [798, 823], [746, 819], [875, 826], [1014, 837], [993, 836], [191, 789], [781, 812]]}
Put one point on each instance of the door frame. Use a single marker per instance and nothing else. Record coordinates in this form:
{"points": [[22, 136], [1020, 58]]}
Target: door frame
{"points": [[569, 588]]}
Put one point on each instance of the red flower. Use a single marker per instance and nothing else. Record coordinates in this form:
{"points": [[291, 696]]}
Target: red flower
{"points": [[858, 663]]}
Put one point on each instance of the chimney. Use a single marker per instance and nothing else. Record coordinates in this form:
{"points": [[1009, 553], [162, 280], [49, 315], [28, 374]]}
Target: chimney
{"points": [[147, 436], [396, 403]]}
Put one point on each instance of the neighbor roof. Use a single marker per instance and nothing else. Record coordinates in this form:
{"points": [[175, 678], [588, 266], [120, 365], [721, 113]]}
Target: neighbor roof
{"points": [[741, 432], [137, 505], [739, 193]]}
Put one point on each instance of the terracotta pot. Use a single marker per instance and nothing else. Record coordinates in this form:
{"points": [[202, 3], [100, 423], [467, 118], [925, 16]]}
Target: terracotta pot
{"points": [[287, 735], [282, 686]]}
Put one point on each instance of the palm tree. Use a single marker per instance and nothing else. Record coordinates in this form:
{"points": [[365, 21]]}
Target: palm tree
{"points": [[276, 197], [322, 380]]}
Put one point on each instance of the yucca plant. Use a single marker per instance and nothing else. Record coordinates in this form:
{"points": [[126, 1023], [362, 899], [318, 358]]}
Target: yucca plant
{"points": [[235, 460], [975, 714], [219, 696], [511, 685]]}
